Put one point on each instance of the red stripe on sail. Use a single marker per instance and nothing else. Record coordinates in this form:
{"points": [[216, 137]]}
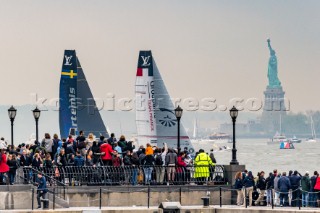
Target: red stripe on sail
{"points": [[139, 72]]}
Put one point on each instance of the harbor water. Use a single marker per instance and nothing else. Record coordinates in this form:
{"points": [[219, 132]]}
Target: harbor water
{"points": [[258, 156]]}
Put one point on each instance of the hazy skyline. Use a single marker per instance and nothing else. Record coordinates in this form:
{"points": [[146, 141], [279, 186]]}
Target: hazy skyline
{"points": [[203, 49]]}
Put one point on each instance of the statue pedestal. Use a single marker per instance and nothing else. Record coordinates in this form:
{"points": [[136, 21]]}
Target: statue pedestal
{"points": [[274, 106]]}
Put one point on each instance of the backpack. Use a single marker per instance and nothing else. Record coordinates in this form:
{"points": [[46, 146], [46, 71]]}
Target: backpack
{"points": [[159, 161]]}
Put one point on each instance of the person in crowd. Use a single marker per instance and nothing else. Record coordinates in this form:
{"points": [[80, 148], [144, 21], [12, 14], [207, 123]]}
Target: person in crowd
{"points": [[295, 179], [290, 190], [70, 144], [123, 144], [78, 160], [270, 187], [4, 168], [47, 143], [127, 162], [313, 195], [3, 143], [36, 161], [181, 167], [317, 190], [148, 163], [248, 183], [130, 146], [61, 158], [189, 162], [13, 166], [261, 185], [90, 140], [171, 162], [276, 189], [81, 143], [106, 152], [118, 149], [238, 186], [212, 168], [135, 164], [117, 163], [284, 187], [101, 140], [112, 140], [96, 154], [89, 160], [42, 191], [55, 142], [149, 150], [202, 163], [160, 159], [140, 150], [305, 187]]}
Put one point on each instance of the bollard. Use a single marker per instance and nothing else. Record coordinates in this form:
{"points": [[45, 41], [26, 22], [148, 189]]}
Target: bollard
{"points": [[180, 193], [64, 192], [100, 201], [220, 196], [32, 204], [272, 205], [245, 196], [299, 201], [205, 201], [54, 198], [148, 196]]}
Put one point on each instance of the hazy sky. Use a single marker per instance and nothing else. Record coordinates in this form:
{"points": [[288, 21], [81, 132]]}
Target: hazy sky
{"points": [[202, 48]]}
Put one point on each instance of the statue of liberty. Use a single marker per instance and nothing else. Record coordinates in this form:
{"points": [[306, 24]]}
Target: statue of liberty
{"points": [[274, 81]]}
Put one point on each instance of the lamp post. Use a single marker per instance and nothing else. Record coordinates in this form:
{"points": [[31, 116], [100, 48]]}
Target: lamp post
{"points": [[36, 115], [12, 112], [178, 112], [234, 114]]}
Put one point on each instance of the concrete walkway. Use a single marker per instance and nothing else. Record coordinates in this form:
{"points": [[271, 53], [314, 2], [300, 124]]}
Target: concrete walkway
{"points": [[184, 209]]}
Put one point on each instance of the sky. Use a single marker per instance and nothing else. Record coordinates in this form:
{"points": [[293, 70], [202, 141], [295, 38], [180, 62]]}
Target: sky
{"points": [[203, 49]]}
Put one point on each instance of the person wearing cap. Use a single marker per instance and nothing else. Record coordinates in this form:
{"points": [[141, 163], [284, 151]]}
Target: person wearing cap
{"points": [[305, 186], [248, 184], [202, 163]]}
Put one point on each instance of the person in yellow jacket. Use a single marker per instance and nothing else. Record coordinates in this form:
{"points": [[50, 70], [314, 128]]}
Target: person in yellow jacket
{"points": [[202, 163]]}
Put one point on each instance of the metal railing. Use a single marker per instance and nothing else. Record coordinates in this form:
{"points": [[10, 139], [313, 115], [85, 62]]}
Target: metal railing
{"points": [[126, 175]]}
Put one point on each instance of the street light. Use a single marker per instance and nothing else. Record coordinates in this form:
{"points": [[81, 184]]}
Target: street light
{"points": [[178, 112], [36, 115], [234, 114], [12, 112]]}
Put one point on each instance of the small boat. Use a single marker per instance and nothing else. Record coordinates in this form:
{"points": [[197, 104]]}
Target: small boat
{"points": [[311, 140], [286, 145], [295, 140], [217, 148], [278, 138]]}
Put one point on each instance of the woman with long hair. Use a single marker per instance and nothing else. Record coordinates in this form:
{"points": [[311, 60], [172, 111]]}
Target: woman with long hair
{"points": [[238, 186]]}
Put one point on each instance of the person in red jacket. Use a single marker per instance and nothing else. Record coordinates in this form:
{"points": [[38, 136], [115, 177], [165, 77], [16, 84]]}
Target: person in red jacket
{"points": [[4, 168], [317, 189], [181, 166], [106, 151]]}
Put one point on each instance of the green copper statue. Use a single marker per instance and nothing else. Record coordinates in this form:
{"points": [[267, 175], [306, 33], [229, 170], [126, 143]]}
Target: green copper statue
{"points": [[273, 68]]}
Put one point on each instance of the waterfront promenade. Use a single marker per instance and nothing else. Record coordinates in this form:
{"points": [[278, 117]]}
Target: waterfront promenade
{"points": [[183, 209]]}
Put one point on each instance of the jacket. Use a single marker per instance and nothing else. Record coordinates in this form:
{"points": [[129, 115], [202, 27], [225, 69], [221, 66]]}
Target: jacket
{"points": [[3, 163], [107, 149], [305, 183], [171, 158], [275, 183], [313, 180], [295, 181], [238, 184], [262, 183], [284, 184], [202, 162], [42, 184], [248, 182], [78, 161], [317, 186], [270, 182]]}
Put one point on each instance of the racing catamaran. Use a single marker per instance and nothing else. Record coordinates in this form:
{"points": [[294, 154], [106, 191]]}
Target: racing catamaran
{"points": [[155, 118]]}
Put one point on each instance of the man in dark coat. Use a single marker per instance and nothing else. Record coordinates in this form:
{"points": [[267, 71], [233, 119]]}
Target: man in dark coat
{"points": [[284, 186], [295, 184]]}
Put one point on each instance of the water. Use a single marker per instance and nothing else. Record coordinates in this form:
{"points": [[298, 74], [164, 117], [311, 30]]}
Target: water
{"points": [[257, 156]]}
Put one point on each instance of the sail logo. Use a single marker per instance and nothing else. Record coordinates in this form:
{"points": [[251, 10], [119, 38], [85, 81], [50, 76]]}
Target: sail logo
{"points": [[73, 106], [68, 60], [167, 120], [145, 60]]}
